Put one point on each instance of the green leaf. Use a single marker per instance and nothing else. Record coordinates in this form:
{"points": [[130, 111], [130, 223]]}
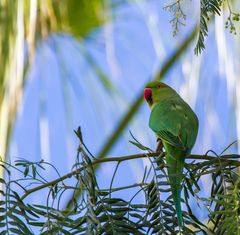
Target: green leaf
{"points": [[26, 171], [2, 225], [2, 210], [16, 231]]}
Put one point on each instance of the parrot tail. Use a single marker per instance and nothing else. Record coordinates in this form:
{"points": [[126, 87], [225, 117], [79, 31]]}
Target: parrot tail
{"points": [[175, 162]]}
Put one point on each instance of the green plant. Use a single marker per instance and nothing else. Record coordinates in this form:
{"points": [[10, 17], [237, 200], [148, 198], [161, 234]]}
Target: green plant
{"points": [[208, 10], [100, 211]]}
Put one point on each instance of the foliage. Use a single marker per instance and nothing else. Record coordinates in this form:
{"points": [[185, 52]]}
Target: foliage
{"points": [[208, 9], [100, 211]]}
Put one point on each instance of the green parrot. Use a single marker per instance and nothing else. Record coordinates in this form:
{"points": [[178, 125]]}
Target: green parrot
{"points": [[176, 126]]}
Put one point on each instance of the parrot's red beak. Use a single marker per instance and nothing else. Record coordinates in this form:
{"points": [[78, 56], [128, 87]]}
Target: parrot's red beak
{"points": [[148, 94]]}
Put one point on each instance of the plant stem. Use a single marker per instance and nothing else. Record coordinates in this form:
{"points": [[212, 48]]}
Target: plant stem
{"points": [[224, 158]]}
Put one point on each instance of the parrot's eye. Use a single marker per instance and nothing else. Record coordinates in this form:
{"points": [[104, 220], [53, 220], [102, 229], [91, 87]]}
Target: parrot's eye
{"points": [[158, 86]]}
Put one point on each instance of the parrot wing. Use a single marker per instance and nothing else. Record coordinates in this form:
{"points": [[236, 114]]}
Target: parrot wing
{"points": [[171, 139], [174, 122]]}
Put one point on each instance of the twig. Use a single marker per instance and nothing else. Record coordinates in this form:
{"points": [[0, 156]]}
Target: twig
{"points": [[227, 158], [124, 187]]}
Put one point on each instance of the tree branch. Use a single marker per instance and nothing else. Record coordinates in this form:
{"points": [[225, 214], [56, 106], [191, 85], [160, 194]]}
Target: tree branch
{"points": [[225, 158]]}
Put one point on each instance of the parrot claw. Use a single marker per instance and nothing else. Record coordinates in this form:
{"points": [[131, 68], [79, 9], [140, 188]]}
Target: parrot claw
{"points": [[159, 148]]}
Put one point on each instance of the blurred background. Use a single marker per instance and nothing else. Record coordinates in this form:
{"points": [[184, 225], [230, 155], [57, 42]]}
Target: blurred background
{"points": [[84, 63]]}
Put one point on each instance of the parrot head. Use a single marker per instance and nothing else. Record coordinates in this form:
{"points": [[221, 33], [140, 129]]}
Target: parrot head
{"points": [[157, 91]]}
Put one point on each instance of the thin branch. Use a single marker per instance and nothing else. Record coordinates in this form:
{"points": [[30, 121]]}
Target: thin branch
{"points": [[113, 177], [125, 187], [226, 158]]}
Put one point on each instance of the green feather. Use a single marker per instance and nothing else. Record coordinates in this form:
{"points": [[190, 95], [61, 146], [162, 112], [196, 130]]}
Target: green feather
{"points": [[176, 125], [175, 162]]}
